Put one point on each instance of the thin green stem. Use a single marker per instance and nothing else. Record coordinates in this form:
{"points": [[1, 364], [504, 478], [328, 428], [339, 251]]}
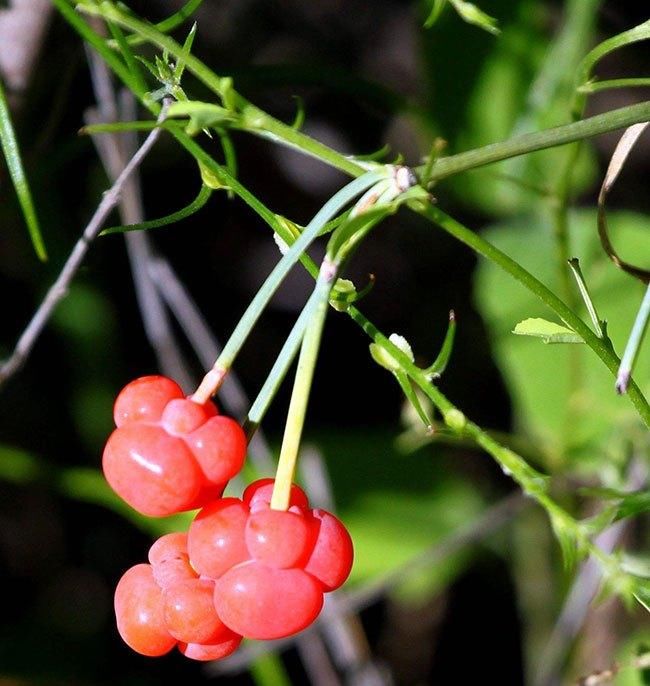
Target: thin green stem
{"points": [[487, 250], [608, 84], [302, 386], [633, 344], [279, 370], [214, 377], [549, 138], [252, 118]]}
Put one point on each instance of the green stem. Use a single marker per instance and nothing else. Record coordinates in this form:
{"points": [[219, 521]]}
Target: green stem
{"points": [[482, 247], [598, 86], [633, 344], [253, 119], [302, 385], [540, 140], [279, 370], [215, 376]]}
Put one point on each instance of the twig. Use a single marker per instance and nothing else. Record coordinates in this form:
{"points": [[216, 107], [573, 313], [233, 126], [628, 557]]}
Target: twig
{"points": [[640, 662], [59, 289]]}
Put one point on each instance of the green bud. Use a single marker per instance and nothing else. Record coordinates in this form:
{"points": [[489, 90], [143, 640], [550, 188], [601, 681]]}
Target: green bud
{"points": [[385, 359], [455, 420]]}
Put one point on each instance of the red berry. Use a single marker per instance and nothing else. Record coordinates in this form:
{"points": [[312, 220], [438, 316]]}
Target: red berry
{"points": [[260, 491], [262, 602], [139, 613], [152, 471], [204, 652], [331, 559], [144, 399], [189, 612], [215, 541], [181, 416], [170, 561], [219, 445], [280, 539]]}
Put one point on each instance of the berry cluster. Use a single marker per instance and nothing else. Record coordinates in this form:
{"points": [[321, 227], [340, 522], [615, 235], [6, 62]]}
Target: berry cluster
{"points": [[244, 569], [169, 454]]}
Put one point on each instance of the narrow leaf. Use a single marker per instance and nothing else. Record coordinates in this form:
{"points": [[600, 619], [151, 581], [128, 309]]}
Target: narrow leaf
{"points": [[549, 332], [17, 173], [473, 15], [440, 363], [574, 264], [194, 206]]}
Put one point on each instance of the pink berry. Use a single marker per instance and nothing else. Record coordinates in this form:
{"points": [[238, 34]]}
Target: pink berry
{"points": [[332, 556], [170, 561], [219, 445], [205, 652], [260, 492], [280, 539], [139, 613], [152, 471], [215, 540], [181, 416], [189, 612], [144, 399], [262, 602]]}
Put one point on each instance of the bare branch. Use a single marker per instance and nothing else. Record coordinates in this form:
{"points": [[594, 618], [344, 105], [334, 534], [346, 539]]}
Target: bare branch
{"points": [[59, 288]]}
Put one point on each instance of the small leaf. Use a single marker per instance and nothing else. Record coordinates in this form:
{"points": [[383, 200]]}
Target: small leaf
{"points": [[17, 173], [473, 15], [634, 504], [549, 332]]}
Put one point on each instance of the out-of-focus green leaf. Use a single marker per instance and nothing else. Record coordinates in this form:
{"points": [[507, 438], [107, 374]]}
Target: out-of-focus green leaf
{"points": [[563, 421], [17, 173], [89, 485], [18, 466], [634, 504], [525, 84], [549, 332], [396, 507]]}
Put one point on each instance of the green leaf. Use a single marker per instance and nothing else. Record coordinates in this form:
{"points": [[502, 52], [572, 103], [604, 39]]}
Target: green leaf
{"points": [[17, 173], [549, 332]]}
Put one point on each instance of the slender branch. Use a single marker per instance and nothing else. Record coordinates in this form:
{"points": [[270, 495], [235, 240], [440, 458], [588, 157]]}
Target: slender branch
{"points": [[59, 288], [540, 140]]}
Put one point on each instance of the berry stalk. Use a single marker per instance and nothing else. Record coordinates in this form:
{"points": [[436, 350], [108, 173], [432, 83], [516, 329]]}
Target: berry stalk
{"points": [[213, 379], [302, 385]]}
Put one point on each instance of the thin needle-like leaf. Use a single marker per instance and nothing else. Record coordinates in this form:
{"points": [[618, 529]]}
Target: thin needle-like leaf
{"points": [[17, 173]]}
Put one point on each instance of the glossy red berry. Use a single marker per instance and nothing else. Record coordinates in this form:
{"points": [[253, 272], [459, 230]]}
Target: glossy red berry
{"points": [[169, 560], [219, 446], [152, 471], [280, 539], [262, 602], [260, 492], [139, 613], [205, 652], [215, 540], [189, 612], [331, 559], [144, 399]]}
